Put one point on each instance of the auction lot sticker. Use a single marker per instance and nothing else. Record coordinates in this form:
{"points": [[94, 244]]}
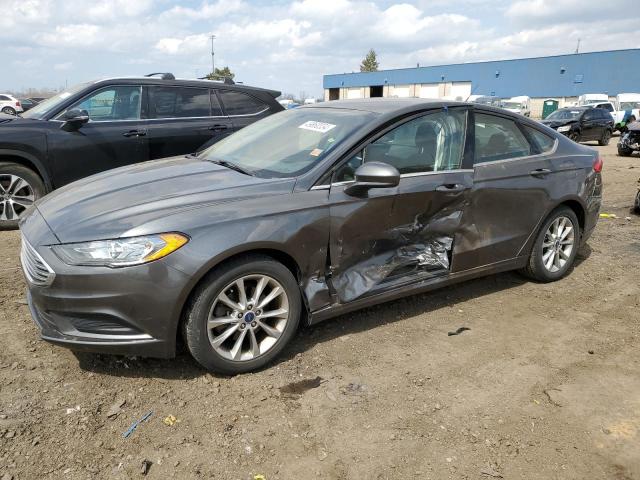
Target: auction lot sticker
{"points": [[320, 127]]}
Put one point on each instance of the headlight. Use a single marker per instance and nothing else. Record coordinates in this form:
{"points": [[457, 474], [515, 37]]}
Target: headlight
{"points": [[120, 252], [566, 128]]}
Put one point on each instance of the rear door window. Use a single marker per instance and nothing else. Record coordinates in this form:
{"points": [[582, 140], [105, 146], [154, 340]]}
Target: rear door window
{"points": [[238, 103], [179, 102], [498, 138]]}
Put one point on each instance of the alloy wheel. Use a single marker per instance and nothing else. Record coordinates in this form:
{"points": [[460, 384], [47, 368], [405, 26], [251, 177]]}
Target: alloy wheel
{"points": [[248, 317], [16, 195], [558, 244]]}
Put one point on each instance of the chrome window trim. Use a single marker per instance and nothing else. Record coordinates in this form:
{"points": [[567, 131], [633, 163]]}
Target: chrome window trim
{"points": [[149, 119], [404, 175]]}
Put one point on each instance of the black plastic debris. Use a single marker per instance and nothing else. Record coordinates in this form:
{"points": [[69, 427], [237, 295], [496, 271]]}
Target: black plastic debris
{"points": [[458, 331]]}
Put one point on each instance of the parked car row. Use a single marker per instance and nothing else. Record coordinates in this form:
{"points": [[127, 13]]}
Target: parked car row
{"points": [[105, 124], [300, 216]]}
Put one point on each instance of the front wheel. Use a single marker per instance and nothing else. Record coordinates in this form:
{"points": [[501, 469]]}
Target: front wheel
{"points": [[243, 315], [19, 188], [606, 137], [624, 151], [575, 136], [555, 248]]}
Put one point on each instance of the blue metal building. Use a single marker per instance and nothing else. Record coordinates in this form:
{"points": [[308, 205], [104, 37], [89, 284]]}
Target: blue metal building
{"points": [[561, 76]]}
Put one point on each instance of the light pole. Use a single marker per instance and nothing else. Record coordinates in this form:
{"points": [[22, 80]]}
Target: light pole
{"points": [[213, 66]]}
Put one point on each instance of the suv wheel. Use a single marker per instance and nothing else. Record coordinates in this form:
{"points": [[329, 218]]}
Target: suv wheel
{"points": [[8, 111], [243, 315], [624, 151], [555, 248], [19, 188], [604, 140], [575, 136]]}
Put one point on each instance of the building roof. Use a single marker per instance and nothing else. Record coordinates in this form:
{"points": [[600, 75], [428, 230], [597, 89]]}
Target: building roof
{"points": [[381, 105], [609, 72]]}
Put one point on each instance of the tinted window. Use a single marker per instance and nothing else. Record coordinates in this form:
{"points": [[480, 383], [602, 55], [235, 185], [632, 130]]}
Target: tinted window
{"points": [[606, 106], [498, 138], [4, 98], [430, 143], [112, 103], [543, 142], [238, 103], [177, 102], [590, 115]]}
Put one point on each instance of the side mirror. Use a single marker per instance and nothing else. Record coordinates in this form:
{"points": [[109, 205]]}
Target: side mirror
{"points": [[74, 120], [373, 175]]}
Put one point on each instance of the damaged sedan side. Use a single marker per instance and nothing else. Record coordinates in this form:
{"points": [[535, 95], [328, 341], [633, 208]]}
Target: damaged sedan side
{"points": [[303, 216]]}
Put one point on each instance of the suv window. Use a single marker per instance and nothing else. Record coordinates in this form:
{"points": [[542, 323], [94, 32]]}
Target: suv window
{"points": [[4, 98], [544, 143], [605, 106], [238, 103], [590, 114], [179, 102], [431, 143], [498, 138], [112, 103]]}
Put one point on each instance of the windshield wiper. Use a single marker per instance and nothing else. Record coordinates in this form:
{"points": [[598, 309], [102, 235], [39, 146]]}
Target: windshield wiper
{"points": [[233, 166]]}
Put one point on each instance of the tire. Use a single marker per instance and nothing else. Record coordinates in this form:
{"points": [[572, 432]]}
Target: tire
{"points": [[200, 338], [636, 204], [9, 111], [536, 268], [13, 203], [575, 136], [606, 137], [624, 151]]}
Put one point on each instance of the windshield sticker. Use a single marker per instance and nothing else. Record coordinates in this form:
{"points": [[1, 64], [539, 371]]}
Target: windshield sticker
{"points": [[64, 95], [316, 152], [320, 127]]}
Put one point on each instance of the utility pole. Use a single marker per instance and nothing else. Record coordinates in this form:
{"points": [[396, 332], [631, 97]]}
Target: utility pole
{"points": [[213, 65], [578, 47]]}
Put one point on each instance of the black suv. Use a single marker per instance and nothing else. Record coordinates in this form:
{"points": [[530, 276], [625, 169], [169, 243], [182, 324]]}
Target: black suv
{"points": [[109, 123], [582, 124]]}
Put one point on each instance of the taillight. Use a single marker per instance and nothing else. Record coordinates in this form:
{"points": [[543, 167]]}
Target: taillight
{"points": [[597, 164], [17, 104]]}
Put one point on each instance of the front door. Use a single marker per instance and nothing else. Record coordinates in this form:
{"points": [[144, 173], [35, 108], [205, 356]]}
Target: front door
{"points": [[394, 236], [113, 137]]}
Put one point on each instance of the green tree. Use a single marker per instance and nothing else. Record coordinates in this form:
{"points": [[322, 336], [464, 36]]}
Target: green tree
{"points": [[221, 74], [370, 62]]}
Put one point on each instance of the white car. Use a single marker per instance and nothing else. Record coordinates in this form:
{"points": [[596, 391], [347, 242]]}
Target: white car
{"points": [[9, 104]]}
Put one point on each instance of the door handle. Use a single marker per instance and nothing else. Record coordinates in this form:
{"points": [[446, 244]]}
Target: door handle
{"points": [[539, 172], [218, 128], [450, 187], [135, 133]]}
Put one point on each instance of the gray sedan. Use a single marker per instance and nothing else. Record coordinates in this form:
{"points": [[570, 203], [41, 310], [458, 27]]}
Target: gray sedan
{"points": [[302, 216]]}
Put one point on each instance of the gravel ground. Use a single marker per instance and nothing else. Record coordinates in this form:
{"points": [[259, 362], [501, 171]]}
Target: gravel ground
{"points": [[544, 385]]}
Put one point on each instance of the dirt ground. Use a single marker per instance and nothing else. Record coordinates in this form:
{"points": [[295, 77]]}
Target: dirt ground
{"points": [[544, 385]]}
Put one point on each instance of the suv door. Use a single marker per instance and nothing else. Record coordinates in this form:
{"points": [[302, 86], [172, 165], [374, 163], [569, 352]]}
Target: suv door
{"points": [[589, 125], [183, 119], [112, 138], [392, 236], [242, 108], [512, 166]]}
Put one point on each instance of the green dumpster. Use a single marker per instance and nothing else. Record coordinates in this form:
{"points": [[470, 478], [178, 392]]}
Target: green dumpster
{"points": [[550, 105]]}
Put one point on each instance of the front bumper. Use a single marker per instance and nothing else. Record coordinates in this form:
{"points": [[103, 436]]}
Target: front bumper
{"points": [[129, 311]]}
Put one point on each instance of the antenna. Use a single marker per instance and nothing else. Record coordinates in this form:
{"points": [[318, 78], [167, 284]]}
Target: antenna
{"points": [[578, 47]]}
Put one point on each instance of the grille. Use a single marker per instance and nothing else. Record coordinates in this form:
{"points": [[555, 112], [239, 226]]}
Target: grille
{"points": [[35, 268]]}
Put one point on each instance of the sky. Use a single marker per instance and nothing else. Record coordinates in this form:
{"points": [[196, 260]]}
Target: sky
{"points": [[289, 45]]}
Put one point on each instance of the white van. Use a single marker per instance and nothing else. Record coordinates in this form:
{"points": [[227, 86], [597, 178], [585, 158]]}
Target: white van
{"points": [[521, 105], [589, 98]]}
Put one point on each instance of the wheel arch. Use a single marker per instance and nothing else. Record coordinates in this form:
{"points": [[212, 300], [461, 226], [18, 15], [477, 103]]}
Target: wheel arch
{"points": [[29, 161], [276, 252]]}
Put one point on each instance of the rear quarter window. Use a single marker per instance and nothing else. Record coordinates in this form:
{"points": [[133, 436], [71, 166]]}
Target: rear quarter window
{"points": [[239, 103], [543, 143]]}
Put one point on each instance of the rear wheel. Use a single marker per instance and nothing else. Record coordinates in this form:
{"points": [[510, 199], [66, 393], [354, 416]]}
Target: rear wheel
{"points": [[555, 248], [624, 151], [243, 315], [19, 188], [604, 140], [9, 111]]}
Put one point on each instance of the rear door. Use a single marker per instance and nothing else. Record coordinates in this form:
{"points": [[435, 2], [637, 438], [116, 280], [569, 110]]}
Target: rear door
{"points": [[512, 166], [394, 236], [113, 137], [590, 125], [242, 108], [183, 120]]}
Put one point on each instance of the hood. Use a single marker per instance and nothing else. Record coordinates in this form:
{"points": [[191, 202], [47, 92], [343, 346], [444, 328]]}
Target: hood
{"points": [[556, 123], [109, 204], [634, 127]]}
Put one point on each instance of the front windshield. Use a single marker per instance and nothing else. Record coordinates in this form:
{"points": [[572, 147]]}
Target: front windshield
{"points": [[41, 109], [288, 143], [567, 114], [514, 105]]}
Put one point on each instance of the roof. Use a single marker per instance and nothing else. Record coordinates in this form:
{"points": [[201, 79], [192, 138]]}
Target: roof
{"points": [[609, 72], [381, 105]]}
